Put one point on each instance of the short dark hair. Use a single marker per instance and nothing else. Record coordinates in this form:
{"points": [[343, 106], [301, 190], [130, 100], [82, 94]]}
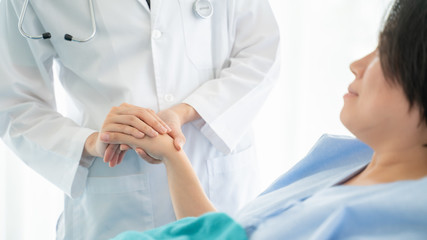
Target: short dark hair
{"points": [[403, 50]]}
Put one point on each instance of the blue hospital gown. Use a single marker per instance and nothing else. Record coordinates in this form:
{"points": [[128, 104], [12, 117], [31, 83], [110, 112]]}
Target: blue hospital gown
{"points": [[308, 202], [210, 226]]}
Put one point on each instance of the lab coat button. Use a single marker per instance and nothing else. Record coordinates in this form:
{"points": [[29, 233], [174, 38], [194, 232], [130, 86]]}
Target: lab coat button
{"points": [[169, 98], [156, 34]]}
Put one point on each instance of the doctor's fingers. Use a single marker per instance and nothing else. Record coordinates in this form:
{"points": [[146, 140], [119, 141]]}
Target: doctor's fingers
{"points": [[121, 139], [178, 138], [144, 114], [130, 130], [129, 124]]}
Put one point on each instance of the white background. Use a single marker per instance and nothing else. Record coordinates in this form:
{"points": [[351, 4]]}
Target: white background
{"points": [[319, 41]]}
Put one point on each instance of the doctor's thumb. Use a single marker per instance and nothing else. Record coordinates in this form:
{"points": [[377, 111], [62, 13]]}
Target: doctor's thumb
{"points": [[178, 138], [179, 141]]}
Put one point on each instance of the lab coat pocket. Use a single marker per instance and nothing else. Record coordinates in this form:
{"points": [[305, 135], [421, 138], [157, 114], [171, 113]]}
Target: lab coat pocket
{"points": [[114, 204], [233, 180], [198, 36]]}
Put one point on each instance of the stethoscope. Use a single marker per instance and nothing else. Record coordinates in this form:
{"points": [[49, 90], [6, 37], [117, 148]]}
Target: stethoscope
{"points": [[201, 8], [47, 35]]}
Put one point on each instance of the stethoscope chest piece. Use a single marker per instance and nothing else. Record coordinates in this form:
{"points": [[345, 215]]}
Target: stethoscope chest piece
{"points": [[203, 8]]}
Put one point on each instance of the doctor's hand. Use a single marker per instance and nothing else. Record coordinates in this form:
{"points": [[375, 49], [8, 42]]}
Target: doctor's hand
{"points": [[128, 119], [159, 148], [174, 117]]}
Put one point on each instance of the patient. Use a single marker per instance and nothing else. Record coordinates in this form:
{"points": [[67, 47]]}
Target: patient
{"points": [[371, 188]]}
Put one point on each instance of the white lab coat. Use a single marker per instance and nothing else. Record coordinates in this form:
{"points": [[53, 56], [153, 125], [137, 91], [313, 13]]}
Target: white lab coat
{"points": [[223, 66]]}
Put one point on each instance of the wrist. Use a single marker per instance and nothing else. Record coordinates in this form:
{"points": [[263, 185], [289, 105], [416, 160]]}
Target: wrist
{"points": [[186, 112], [90, 146], [174, 157]]}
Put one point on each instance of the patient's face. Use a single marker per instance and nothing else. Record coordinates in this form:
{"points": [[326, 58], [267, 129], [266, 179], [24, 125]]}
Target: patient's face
{"points": [[374, 109]]}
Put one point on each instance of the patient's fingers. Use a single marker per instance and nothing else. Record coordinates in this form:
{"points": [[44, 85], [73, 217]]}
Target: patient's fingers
{"points": [[109, 152], [114, 160], [114, 154], [121, 156], [117, 138]]}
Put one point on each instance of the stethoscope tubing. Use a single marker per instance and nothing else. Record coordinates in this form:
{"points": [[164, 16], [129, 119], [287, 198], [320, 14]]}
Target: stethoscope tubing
{"points": [[201, 8], [93, 21], [21, 21], [47, 35]]}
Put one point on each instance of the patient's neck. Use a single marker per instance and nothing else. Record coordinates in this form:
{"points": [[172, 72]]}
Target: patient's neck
{"points": [[393, 165]]}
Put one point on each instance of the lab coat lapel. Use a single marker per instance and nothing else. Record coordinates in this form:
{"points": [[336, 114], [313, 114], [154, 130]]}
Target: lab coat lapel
{"points": [[144, 4], [156, 9]]}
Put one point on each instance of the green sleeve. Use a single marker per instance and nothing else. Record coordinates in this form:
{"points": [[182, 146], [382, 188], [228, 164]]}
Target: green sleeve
{"points": [[208, 226]]}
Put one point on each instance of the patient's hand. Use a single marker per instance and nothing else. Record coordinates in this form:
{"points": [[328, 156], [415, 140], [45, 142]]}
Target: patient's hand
{"points": [[160, 147]]}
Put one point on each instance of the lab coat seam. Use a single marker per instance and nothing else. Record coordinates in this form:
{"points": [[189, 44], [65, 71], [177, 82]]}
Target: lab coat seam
{"points": [[153, 51]]}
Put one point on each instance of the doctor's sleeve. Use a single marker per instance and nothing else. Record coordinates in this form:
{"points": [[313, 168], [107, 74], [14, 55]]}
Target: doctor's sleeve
{"points": [[229, 103], [46, 141]]}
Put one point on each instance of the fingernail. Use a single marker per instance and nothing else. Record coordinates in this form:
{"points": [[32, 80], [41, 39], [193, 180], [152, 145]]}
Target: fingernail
{"points": [[180, 144], [154, 133], [168, 128], [164, 130], [140, 135], [105, 137]]}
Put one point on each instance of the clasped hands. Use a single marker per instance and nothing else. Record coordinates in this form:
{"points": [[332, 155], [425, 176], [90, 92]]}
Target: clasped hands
{"points": [[151, 135]]}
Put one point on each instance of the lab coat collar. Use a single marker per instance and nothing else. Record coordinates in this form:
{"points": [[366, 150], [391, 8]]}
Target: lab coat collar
{"points": [[144, 4]]}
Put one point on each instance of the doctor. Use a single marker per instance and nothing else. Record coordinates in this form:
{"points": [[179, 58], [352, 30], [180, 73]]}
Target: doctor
{"points": [[205, 67]]}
